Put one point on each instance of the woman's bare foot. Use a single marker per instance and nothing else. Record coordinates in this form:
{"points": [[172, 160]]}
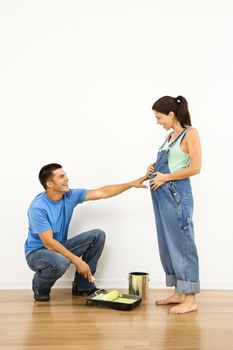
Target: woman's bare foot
{"points": [[188, 305], [172, 299]]}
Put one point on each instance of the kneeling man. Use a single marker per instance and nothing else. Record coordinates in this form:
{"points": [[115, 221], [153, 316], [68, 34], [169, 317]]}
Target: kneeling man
{"points": [[48, 250]]}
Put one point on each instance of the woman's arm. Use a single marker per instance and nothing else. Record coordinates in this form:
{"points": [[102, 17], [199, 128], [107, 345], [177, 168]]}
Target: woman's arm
{"points": [[191, 145]]}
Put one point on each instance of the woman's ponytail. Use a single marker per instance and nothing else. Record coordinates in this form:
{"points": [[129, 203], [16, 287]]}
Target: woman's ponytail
{"points": [[182, 113]]}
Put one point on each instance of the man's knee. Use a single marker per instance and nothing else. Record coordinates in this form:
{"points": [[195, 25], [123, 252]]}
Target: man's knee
{"points": [[101, 235], [60, 266]]}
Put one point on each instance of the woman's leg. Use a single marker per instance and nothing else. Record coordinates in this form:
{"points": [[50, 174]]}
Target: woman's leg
{"points": [[176, 206], [163, 248]]}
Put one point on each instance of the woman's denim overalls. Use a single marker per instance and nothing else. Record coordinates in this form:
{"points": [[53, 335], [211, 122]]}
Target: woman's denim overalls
{"points": [[173, 209]]}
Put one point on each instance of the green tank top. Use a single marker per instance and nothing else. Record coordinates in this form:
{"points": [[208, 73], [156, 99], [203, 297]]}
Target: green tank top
{"points": [[177, 159]]}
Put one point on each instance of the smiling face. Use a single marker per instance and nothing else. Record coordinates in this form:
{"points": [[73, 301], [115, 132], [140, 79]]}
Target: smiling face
{"points": [[165, 120], [58, 182]]}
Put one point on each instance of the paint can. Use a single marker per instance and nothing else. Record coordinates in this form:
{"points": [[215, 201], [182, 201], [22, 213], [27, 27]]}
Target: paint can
{"points": [[139, 284]]}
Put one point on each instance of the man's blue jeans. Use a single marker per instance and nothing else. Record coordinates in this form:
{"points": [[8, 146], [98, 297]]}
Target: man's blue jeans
{"points": [[50, 265]]}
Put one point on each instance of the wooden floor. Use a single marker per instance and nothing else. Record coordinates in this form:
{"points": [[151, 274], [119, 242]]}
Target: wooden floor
{"points": [[67, 323]]}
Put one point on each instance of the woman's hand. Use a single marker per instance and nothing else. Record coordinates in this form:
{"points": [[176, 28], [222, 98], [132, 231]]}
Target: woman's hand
{"points": [[149, 170], [158, 180]]}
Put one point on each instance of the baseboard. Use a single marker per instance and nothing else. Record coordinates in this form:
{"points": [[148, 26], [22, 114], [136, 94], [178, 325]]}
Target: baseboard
{"points": [[121, 283]]}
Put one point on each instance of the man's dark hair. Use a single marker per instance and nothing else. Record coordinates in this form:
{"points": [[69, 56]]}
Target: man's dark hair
{"points": [[46, 173]]}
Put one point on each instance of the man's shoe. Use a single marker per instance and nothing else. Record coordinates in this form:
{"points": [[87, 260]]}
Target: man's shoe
{"points": [[41, 296], [76, 291], [89, 291]]}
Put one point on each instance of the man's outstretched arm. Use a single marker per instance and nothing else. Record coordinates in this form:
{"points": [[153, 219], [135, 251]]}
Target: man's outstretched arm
{"points": [[114, 190]]}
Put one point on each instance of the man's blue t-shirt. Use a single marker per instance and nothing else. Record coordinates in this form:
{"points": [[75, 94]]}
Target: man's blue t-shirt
{"points": [[45, 214]]}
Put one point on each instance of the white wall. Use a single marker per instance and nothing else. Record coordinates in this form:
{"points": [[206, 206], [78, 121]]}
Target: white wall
{"points": [[78, 79]]}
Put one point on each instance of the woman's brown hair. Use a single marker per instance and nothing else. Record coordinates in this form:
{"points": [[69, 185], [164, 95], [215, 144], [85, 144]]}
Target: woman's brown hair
{"points": [[178, 105]]}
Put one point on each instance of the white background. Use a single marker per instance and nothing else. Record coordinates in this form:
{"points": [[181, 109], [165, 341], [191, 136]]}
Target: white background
{"points": [[77, 82]]}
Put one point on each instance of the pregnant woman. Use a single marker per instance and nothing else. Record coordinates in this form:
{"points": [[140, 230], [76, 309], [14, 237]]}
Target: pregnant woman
{"points": [[178, 158]]}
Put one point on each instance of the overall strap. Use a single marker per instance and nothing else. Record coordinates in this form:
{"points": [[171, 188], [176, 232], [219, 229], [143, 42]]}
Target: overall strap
{"points": [[180, 136], [166, 139]]}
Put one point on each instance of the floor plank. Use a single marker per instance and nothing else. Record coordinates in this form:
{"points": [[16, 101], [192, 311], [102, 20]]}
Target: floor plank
{"points": [[66, 322]]}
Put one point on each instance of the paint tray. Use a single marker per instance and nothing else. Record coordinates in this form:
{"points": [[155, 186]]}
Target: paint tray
{"points": [[115, 300]]}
